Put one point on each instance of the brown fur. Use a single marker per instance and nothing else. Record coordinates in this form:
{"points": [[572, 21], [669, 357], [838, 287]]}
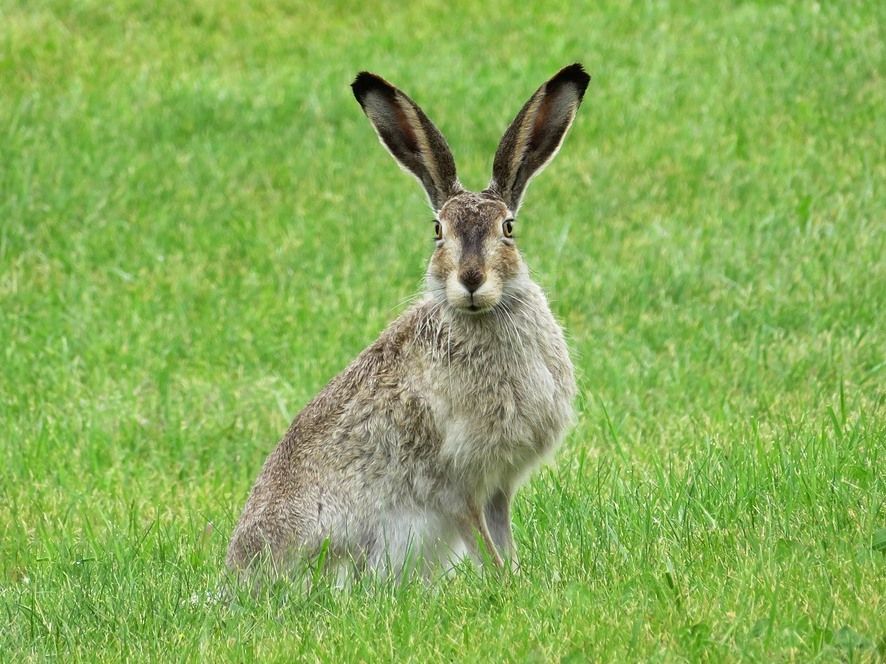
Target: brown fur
{"points": [[416, 449]]}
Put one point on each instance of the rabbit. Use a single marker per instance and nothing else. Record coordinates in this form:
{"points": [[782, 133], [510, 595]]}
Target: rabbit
{"points": [[411, 456]]}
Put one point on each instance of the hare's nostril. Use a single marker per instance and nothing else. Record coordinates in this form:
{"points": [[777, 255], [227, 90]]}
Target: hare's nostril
{"points": [[472, 279]]}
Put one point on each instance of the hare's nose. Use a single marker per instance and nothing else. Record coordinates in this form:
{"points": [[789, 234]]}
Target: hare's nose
{"points": [[472, 279]]}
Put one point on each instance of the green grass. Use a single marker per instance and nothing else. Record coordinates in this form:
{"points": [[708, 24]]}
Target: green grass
{"points": [[198, 229]]}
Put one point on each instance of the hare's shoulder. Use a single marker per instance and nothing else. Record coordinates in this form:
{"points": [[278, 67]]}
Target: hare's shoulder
{"points": [[381, 376]]}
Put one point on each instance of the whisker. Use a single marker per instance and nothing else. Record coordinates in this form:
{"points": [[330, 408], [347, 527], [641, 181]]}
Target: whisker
{"points": [[519, 300], [407, 300], [511, 325]]}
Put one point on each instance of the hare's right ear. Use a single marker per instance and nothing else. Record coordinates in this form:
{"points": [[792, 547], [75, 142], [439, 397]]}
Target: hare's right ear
{"points": [[536, 133], [409, 136]]}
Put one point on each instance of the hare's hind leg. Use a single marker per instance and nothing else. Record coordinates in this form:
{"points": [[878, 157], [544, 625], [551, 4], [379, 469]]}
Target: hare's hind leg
{"points": [[471, 523], [498, 520]]}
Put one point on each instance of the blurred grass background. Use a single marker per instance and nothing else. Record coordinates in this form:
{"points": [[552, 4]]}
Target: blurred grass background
{"points": [[198, 229]]}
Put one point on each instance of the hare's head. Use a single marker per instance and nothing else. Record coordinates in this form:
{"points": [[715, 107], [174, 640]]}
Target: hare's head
{"points": [[476, 263]]}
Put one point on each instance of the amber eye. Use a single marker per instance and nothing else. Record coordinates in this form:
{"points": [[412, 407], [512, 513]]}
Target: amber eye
{"points": [[508, 228], [438, 231]]}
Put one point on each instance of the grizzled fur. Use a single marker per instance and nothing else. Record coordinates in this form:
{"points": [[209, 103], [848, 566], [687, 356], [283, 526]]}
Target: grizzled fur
{"points": [[416, 449]]}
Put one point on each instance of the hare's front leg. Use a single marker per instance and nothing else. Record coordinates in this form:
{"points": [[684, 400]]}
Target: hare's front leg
{"points": [[498, 520], [471, 523]]}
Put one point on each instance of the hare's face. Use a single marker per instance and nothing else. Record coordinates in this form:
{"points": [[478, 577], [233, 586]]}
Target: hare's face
{"points": [[475, 261]]}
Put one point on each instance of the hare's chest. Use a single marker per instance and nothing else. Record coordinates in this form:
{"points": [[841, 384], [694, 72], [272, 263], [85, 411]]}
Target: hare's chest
{"points": [[502, 412]]}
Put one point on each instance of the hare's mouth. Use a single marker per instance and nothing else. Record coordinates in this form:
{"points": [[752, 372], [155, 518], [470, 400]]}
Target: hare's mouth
{"points": [[473, 306], [474, 303], [475, 309]]}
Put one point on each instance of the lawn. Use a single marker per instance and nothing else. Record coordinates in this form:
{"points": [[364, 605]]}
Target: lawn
{"points": [[198, 229]]}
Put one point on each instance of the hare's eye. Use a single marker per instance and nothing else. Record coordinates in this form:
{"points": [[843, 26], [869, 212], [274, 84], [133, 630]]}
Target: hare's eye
{"points": [[508, 228], [438, 231]]}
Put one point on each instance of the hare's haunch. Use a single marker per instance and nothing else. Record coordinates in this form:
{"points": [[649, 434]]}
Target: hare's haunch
{"points": [[413, 453]]}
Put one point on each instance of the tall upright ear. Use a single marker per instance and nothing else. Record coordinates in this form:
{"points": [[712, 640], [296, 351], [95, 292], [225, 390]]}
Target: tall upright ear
{"points": [[408, 134], [535, 135]]}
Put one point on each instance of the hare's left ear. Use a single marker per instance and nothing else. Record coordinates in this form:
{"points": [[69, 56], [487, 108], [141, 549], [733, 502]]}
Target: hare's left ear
{"points": [[535, 135], [408, 134]]}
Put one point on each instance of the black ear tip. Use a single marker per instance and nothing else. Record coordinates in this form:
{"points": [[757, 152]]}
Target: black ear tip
{"points": [[362, 84], [366, 82], [574, 74]]}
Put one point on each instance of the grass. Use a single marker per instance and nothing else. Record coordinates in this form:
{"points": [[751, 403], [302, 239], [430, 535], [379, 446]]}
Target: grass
{"points": [[198, 229]]}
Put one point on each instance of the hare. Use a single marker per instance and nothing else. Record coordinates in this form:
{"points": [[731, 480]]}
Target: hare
{"points": [[414, 452]]}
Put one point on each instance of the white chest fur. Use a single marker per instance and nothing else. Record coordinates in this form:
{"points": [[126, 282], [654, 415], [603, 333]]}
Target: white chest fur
{"points": [[507, 400]]}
